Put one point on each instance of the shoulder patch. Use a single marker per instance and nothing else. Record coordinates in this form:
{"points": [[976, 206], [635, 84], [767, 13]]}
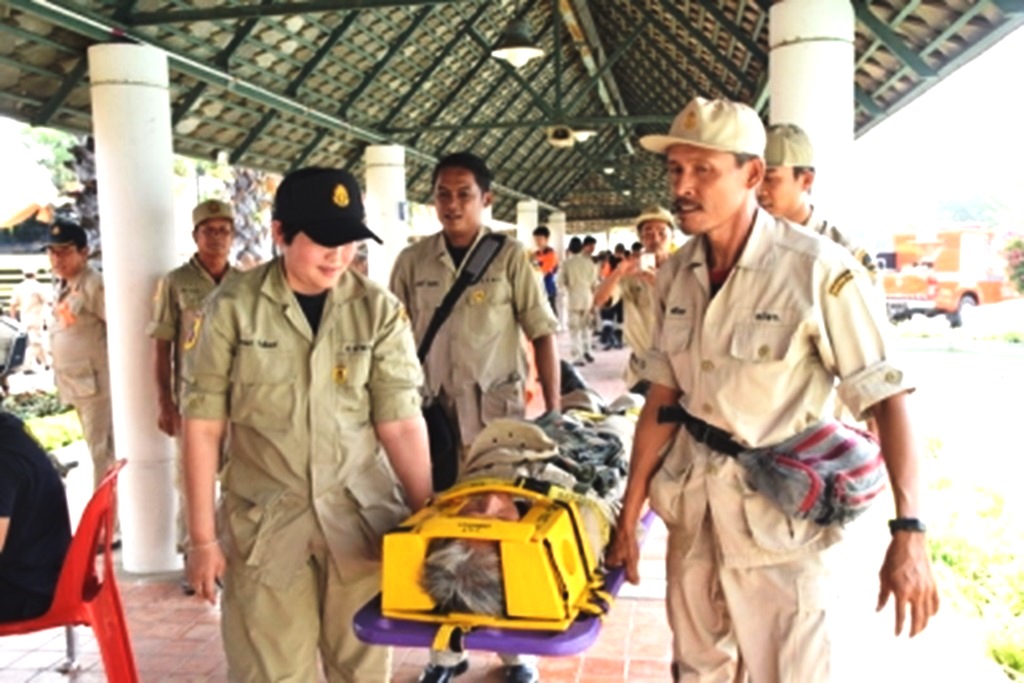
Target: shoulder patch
{"points": [[840, 282]]}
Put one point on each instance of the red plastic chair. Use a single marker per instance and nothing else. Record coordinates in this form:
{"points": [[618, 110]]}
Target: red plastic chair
{"points": [[84, 595]]}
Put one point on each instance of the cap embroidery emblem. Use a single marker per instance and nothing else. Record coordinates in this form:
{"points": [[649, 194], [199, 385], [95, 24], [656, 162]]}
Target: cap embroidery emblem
{"points": [[690, 120], [55, 230], [341, 196], [340, 373]]}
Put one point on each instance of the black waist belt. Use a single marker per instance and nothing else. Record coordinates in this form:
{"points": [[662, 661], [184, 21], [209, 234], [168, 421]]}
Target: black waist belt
{"points": [[713, 437]]}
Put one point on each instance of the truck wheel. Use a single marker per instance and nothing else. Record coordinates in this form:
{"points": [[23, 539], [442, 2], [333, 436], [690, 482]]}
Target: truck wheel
{"points": [[967, 302]]}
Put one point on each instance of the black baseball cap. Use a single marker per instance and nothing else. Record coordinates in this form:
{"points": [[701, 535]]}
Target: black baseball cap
{"points": [[64, 233], [324, 203]]}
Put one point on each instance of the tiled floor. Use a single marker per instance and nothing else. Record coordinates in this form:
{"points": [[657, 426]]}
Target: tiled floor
{"points": [[177, 639]]}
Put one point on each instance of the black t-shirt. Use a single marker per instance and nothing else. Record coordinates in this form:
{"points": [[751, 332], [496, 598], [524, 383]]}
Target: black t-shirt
{"points": [[457, 253], [313, 308], [32, 497]]}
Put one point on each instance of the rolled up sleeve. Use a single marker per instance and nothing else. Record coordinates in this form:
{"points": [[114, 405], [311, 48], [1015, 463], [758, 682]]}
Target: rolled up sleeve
{"points": [[206, 375], [855, 345], [533, 312], [395, 375], [166, 316]]}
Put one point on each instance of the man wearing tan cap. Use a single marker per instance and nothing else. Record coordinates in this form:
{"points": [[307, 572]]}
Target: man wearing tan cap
{"points": [[785, 191], [633, 279], [755, 319], [313, 368], [176, 303]]}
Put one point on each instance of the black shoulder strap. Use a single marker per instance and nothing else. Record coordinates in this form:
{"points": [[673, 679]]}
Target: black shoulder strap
{"points": [[472, 270]]}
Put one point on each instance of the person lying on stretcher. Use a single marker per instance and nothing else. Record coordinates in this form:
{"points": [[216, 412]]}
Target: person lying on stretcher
{"points": [[583, 452]]}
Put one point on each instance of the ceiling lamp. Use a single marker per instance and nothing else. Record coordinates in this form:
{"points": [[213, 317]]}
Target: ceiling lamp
{"points": [[516, 44], [584, 135]]}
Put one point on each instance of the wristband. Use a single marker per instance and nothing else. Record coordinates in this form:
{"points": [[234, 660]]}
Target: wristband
{"points": [[201, 546], [912, 524]]}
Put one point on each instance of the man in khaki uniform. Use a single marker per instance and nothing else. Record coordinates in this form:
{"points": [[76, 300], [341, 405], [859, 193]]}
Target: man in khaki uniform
{"points": [[78, 342], [313, 369], [577, 278], [754, 321], [785, 191], [179, 296], [476, 366], [633, 279]]}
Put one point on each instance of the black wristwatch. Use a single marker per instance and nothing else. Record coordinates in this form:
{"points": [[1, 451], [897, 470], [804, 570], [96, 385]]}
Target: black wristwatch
{"points": [[907, 524]]}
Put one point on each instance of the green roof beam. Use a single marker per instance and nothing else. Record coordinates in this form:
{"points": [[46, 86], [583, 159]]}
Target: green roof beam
{"points": [[699, 36], [382, 63], [270, 10], [57, 100], [610, 62], [429, 71], [892, 41]]}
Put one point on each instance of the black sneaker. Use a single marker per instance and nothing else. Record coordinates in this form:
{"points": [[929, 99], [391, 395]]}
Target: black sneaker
{"points": [[587, 357], [435, 673]]}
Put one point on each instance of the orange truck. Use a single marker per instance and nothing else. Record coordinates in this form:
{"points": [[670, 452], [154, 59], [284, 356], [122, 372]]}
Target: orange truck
{"points": [[945, 273]]}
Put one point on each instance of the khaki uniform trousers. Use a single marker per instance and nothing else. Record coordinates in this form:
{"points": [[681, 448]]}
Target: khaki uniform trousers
{"points": [[579, 333], [98, 431], [274, 633], [763, 624]]}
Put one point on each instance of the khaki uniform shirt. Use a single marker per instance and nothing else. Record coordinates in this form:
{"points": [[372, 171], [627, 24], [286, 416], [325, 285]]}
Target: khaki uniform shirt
{"points": [[302, 449], [477, 359], [759, 361], [577, 277], [824, 228], [78, 337], [176, 305]]}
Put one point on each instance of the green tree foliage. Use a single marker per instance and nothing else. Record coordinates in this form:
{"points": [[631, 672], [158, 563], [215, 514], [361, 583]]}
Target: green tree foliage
{"points": [[52, 150], [1014, 253]]}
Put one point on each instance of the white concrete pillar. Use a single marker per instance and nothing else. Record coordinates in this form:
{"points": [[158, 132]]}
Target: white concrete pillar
{"points": [[131, 116], [387, 211], [527, 215], [810, 77]]}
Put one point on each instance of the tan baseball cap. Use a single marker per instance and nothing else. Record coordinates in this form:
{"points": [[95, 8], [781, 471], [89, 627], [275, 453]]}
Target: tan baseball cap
{"points": [[721, 125], [655, 213], [211, 208], [788, 145]]}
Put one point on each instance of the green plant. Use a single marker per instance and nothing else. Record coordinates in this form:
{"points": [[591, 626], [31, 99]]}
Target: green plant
{"points": [[1014, 253], [55, 431], [34, 404], [977, 554]]}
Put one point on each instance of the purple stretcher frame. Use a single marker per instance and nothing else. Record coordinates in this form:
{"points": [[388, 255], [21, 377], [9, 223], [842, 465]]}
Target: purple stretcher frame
{"points": [[374, 628]]}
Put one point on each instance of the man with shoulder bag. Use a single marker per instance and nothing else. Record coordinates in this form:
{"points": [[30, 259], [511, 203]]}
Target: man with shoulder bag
{"points": [[755, 322]]}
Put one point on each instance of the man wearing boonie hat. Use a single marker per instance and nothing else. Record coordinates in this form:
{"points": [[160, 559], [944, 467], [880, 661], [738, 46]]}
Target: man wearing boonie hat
{"points": [[756, 319], [313, 368], [176, 303], [785, 191], [78, 341], [633, 280]]}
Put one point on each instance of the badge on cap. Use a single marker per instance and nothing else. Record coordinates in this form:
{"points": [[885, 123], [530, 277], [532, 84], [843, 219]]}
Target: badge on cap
{"points": [[690, 120], [341, 195], [193, 333], [55, 230]]}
